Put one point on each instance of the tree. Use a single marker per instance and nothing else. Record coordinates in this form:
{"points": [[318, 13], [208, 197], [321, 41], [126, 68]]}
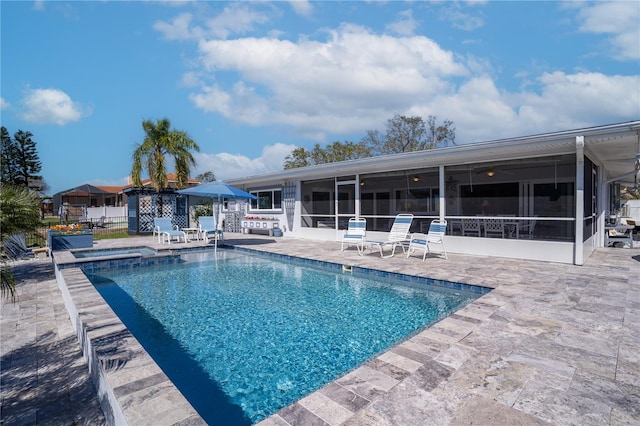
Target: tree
{"points": [[161, 140], [20, 162], [299, 157], [403, 134], [7, 158], [340, 151], [19, 212], [441, 135], [206, 177], [406, 134], [336, 151]]}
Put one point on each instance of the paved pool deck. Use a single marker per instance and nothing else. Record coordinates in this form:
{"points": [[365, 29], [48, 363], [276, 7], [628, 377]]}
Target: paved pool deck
{"points": [[551, 344]]}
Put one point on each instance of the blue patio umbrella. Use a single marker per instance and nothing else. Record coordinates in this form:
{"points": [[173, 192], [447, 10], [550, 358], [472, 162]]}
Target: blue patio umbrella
{"points": [[218, 191]]}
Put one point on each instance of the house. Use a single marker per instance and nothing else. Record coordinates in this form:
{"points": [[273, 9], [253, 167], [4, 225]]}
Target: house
{"points": [[75, 202], [541, 197]]}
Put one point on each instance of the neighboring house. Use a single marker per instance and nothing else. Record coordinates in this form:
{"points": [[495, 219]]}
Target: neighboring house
{"points": [[540, 197], [74, 202]]}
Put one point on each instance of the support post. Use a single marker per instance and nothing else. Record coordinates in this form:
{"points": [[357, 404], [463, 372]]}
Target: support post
{"points": [[578, 254]]}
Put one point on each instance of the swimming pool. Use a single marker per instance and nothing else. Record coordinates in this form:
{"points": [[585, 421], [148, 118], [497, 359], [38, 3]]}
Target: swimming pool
{"points": [[242, 335], [143, 251]]}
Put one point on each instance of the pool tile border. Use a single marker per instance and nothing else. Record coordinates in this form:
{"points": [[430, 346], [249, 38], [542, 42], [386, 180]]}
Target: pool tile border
{"points": [[412, 279]]}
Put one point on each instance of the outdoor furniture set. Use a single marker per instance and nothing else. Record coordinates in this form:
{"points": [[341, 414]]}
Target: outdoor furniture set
{"points": [[398, 236], [166, 232]]}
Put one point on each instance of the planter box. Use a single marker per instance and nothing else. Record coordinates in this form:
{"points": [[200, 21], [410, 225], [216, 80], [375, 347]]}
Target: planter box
{"points": [[268, 225], [61, 241]]}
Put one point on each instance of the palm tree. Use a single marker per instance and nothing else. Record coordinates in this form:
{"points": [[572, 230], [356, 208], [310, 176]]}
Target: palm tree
{"points": [[161, 140], [19, 212]]}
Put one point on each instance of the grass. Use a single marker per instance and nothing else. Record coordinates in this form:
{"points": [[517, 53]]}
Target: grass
{"points": [[111, 236]]}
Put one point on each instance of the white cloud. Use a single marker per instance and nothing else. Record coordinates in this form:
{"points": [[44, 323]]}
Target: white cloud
{"points": [[556, 101], [404, 25], [567, 100], [302, 7], [179, 28], [228, 166], [351, 80], [236, 18], [51, 106], [618, 19], [460, 19], [4, 104]]}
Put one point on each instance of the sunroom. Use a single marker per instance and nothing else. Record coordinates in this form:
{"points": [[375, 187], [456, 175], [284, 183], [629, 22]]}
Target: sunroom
{"points": [[540, 197]]}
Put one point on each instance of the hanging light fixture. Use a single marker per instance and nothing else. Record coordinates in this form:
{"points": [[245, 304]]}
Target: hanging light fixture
{"points": [[491, 172], [416, 178]]}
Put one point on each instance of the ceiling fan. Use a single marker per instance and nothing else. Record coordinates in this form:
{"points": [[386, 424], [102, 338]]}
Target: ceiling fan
{"points": [[491, 171]]}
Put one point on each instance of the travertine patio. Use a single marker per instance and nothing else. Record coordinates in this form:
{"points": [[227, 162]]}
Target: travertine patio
{"points": [[552, 343]]}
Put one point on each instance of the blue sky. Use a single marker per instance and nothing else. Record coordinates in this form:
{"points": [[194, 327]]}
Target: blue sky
{"points": [[250, 81]]}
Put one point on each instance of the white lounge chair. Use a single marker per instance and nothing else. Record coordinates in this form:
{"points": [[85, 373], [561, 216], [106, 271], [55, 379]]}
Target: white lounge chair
{"points": [[397, 236], [355, 233], [208, 228], [163, 228], [437, 229]]}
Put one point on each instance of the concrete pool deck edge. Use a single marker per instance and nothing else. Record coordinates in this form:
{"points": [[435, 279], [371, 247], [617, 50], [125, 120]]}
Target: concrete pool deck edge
{"points": [[131, 388]]}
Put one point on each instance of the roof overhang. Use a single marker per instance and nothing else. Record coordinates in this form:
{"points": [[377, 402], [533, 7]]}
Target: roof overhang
{"points": [[614, 147]]}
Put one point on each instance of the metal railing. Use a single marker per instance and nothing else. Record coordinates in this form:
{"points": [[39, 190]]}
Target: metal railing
{"points": [[112, 227]]}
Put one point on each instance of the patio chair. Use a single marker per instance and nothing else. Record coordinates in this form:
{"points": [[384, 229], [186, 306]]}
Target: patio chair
{"points": [[15, 246], [527, 228], [493, 227], [209, 229], [355, 233], [397, 236], [163, 228], [471, 227], [420, 241]]}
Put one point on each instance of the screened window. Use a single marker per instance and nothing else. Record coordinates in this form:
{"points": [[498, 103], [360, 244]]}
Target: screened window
{"points": [[267, 200]]}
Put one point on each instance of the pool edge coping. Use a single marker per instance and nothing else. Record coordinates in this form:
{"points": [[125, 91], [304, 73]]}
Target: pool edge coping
{"points": [[121, 375]]}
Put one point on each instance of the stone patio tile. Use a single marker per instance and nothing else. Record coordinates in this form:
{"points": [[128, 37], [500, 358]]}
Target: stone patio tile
{"points": [[296, 414], [455, 356], [274, 420], [375, 378], [405, 349], [424, 344], [326, 408], [543, 364], [441, 335], [359, 386], [406, 405], [580, 359], [484, 411], [560, 408], [628, 367], [602, 390], [579, 339], [350, 400], [400, 361]]}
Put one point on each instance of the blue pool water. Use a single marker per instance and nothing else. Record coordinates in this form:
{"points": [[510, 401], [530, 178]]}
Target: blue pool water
{"points": [[144, 251], [243, 336]]}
